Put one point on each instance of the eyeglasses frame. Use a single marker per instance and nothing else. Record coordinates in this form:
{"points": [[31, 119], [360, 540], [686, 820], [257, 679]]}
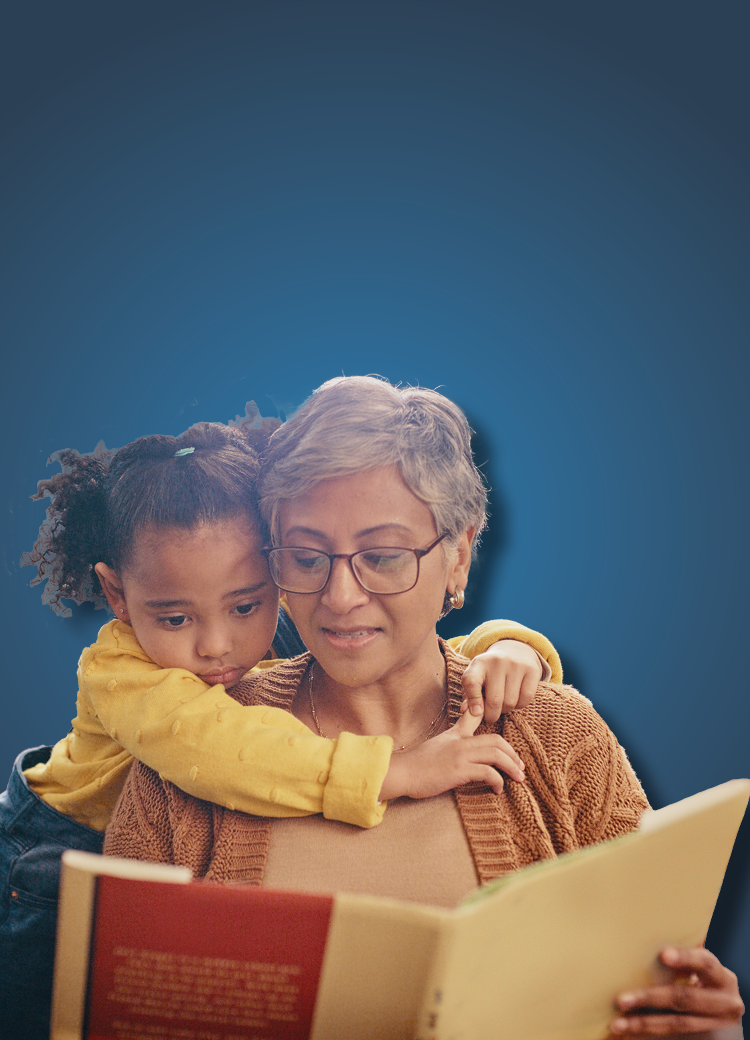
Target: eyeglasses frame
{"points": [[419, 553]]}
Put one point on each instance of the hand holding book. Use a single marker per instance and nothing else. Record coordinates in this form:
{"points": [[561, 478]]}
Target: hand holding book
{"points": [[703, 995]]}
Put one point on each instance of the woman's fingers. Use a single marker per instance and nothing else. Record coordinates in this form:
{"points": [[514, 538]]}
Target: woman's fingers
{"points": [[704, 996], [688, 1000], [666, 1025], [701, 962]]}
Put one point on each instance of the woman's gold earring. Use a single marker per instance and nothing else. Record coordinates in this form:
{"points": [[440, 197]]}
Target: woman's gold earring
{"points": [[457, 599]]}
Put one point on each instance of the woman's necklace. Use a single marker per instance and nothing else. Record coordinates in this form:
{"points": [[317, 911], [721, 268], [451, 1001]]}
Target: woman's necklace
{"points": [[404, 747]]}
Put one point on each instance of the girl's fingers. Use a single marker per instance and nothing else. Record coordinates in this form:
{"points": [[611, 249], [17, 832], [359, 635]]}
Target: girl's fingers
{"points": [[498, 695], [528, 690], [487, 775], [465, 727], [487, 740], [492, 688], [467, 724], [472, 684], [487, 753], [499, 760]]}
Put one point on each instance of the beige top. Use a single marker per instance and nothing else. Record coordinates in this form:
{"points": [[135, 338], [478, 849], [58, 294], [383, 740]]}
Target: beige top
{"points": [[419, 852]]}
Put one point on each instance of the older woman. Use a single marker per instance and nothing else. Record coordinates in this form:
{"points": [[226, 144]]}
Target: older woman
{"points": [[374, 505]]}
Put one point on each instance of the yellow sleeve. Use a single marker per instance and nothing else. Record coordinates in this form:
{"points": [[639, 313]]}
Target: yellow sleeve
{"points": [[258, 760], [490, 631]]}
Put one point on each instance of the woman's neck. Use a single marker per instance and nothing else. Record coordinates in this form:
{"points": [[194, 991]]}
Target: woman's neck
{"points": [[403, 705]]}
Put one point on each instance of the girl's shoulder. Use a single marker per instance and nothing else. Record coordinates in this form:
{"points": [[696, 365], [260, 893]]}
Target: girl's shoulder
{"points": [[115, 639]]}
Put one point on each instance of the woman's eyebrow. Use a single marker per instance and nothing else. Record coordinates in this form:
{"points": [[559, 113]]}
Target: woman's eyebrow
{"points": [[365, 533], [304, 531], [384, 527]]}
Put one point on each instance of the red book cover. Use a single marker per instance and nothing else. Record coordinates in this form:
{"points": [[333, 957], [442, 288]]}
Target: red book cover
{"points": [[204, 962]]}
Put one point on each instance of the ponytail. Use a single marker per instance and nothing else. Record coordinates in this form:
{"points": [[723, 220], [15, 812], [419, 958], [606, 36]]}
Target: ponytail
{"points": [[72, 538], [101, 500]]}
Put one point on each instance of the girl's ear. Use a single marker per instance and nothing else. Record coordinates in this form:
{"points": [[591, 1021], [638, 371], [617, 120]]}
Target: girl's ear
{"points": [[458, 575], [112, 588]]}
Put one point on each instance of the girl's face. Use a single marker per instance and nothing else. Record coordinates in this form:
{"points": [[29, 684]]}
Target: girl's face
{"points": [[358, 637], [200, 599]]}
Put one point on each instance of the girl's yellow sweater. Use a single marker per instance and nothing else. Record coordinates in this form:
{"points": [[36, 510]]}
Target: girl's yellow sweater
{"points": [[254, 759]]}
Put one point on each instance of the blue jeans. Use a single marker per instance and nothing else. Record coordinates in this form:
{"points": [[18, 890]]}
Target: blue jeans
{"points": [[33, 837]]}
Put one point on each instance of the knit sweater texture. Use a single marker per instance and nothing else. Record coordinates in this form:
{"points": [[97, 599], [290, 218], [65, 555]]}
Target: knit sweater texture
{"points": [[580, 789]]}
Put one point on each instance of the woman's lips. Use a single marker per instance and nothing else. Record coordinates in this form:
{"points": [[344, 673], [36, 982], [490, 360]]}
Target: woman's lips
{"points": [[350, 639], [227, 676]]}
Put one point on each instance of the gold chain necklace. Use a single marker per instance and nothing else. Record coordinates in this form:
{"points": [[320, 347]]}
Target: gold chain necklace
{"points": [[404, 747]]}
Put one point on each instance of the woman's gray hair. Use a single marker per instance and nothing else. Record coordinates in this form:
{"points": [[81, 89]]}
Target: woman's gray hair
{"points": [[355, 423]]}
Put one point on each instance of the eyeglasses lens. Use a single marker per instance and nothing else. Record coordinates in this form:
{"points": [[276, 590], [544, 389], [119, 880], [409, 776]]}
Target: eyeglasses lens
{"points": [[386, 570], [382, 570], [299, 570]]}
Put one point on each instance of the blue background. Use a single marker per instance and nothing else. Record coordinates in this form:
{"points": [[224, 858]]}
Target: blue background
{"points": [[540, 208]]}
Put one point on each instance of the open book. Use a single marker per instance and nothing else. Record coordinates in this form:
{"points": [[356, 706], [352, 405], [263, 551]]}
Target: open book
{"points": [[144, 953]]}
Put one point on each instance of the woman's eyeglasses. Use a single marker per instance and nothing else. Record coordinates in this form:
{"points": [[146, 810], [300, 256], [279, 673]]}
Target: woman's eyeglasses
{"points": [[384, 571]]}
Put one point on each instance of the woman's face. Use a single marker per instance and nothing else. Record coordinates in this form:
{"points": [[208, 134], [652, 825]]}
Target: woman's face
{"points": [[360, 638]]}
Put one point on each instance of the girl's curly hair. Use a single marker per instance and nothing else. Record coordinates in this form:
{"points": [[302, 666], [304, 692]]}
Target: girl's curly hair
{"points": [[101, 500]]}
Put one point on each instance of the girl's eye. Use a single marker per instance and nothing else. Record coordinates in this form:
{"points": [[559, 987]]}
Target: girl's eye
{"points": [[246, 608], [175, 622]]}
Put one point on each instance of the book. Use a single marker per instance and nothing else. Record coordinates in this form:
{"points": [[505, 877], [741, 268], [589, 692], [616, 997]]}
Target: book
{"points": [[145, 953]]}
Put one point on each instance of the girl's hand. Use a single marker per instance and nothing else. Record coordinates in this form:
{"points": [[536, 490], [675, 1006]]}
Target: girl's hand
{"points": [[502, 678], [451, 759], [703, 996]]}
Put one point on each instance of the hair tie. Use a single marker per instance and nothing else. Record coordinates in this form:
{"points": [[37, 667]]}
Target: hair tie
{"points": [[183, 451]]}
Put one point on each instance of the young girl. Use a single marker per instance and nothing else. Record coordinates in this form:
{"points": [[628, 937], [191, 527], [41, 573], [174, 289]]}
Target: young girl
{"points": [[167, 530]]}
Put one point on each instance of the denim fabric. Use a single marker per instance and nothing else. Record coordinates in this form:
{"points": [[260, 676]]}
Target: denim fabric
{"points": [[33, 837]]}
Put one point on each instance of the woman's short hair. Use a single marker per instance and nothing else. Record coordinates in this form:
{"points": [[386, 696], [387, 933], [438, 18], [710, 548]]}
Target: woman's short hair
{"points": [[355, 423]]}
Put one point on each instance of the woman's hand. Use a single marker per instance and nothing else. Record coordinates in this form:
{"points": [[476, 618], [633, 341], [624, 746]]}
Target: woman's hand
{"points": [[703, 996], [504, 677], [451, 759]]}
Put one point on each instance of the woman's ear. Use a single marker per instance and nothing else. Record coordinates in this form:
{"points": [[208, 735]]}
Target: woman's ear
{"points": [[112, 588], [458, 574]]}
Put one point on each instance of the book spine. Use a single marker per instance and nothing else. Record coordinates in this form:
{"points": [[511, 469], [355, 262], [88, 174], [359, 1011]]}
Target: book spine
{"points": [[74, 922], [431, 1022]]}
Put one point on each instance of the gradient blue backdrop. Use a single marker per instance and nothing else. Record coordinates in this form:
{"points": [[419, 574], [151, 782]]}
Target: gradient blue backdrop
{"points": [[541, 208]]}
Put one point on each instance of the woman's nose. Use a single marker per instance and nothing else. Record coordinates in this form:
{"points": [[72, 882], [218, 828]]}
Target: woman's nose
{"points": [[213, 641], [343, 592]]}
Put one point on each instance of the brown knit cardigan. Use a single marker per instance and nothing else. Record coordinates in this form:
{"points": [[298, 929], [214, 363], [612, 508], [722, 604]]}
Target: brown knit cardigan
{"points": [[579, 789]]}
